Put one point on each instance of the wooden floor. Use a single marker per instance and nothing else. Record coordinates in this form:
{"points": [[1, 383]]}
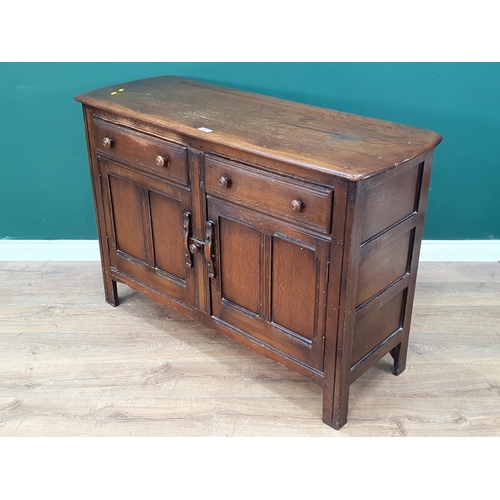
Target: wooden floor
{"points": [[71, 365]]}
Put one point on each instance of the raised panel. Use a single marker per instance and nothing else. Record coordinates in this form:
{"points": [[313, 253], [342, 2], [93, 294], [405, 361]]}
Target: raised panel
{"points": [[166, 221], [389, 202], [383, 261], [372, 329], [294, 278], [127, 217], [240, 264]]}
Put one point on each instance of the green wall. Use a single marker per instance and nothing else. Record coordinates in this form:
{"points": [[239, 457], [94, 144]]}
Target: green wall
{"points": [[44, 179]]}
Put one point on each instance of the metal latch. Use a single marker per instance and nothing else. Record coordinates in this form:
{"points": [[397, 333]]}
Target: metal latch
{"points": [[195, 245]]}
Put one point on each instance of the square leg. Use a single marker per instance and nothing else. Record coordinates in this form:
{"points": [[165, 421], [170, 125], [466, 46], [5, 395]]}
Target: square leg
{"points": [[110, 291], [335, 408], [399, 354]]}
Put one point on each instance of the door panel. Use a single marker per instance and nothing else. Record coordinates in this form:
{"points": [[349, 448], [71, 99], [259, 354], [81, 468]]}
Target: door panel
{"points": [[294, 278], [126, 206], [270, 280], [145, 230], [166, 221], [240, 263]]}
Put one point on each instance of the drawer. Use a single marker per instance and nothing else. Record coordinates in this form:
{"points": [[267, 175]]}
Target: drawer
{"points": [[306, 204], [149, 154]]}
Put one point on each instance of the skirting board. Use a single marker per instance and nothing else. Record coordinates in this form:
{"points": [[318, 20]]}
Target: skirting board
{"points": [[46, 250], [88, 250]]}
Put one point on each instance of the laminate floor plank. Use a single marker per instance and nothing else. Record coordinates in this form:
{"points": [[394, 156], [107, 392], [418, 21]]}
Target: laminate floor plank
{"points": [[71, 365]]}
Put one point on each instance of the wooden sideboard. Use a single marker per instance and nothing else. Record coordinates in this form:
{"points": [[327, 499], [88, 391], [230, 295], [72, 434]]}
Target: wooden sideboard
{"points": [[291, 228]]}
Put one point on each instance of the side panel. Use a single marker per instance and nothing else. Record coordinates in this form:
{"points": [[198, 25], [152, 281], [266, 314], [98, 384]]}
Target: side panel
{"points": [[393, 208], [379, 268], [390, 201]]}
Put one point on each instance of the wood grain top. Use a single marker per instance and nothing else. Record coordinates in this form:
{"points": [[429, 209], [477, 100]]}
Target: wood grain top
{"points": [[347, 145]]}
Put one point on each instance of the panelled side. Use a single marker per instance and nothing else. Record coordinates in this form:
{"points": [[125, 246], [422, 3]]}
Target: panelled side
{"points": [[383, 231], [393, 207]]}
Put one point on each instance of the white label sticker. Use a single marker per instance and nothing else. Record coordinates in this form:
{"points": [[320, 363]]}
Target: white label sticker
{"points": [[204, 129]]}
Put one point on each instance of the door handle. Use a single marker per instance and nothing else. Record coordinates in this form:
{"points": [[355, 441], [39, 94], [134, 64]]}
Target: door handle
{"points": [[193, 246], [207, 248], [186, 226]]}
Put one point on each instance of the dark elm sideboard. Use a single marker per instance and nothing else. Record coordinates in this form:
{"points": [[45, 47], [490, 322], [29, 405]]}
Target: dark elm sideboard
{"points": [[293, 229]]}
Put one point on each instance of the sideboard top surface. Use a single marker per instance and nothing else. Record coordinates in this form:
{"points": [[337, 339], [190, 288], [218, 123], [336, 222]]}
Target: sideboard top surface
{"points": [[347, 145]]}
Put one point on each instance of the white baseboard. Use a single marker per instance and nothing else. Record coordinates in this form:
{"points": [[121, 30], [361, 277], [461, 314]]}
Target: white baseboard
{"points": [[45, 250], [88, 250], [460, 251]]}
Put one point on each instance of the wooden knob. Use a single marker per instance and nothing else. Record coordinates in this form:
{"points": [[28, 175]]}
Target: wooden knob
{"points": [[297, 205], [225, 182], [161, 161], [107, 142], [193, 248]]}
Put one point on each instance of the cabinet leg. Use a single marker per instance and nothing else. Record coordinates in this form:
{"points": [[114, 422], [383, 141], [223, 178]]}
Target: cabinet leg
{"points": [[399, 354], [335, 411], [111, 292]]}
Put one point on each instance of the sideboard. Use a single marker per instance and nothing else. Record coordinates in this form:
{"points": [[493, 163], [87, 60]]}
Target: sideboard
{"points": [[293, 229]]}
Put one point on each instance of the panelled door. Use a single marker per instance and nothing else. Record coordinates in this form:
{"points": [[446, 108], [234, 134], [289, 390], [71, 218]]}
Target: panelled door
{"points": [[270, 280], [148, 223]]}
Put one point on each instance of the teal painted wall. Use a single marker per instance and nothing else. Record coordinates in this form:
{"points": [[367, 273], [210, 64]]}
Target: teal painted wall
{"points": [[44, 178]]}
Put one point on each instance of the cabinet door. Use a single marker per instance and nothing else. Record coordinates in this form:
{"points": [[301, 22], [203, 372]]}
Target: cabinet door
{"points": [[270, 280], [148, 224]]}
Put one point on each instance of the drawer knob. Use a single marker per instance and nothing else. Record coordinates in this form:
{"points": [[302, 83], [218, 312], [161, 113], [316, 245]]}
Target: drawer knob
{"points": [[161, 161], [225, 182], [107, 142], [193, 248], [297, 205]]}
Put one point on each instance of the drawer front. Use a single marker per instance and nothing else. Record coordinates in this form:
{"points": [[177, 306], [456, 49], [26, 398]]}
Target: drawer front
{"points": [[308, 205], [149, 154]]}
